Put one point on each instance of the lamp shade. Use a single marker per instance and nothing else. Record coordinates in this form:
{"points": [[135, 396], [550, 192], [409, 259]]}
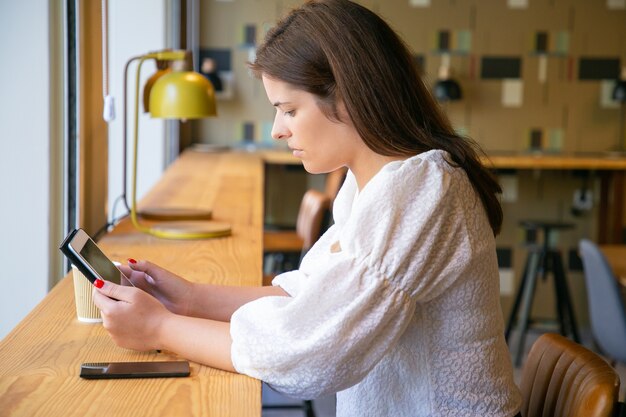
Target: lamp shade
{"points": [[182, 95], [147, 88]]}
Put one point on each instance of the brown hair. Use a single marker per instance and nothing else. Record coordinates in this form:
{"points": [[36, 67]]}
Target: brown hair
{"points": [[339, 50]]}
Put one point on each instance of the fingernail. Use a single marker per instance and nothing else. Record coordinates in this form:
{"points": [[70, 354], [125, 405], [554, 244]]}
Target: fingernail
{"points": [[132, 261], [98, 283]]}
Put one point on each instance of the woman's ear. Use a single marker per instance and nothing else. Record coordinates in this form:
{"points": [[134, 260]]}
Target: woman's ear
{"points": [[342, 113]]}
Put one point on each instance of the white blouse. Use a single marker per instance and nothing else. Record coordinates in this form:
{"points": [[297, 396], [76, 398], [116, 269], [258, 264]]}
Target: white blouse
{"points": [[405, 319]]}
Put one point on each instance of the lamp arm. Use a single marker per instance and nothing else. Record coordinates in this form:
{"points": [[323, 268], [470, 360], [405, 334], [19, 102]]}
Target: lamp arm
{"points": [[160, 55], [125, 131], [133, 207]]}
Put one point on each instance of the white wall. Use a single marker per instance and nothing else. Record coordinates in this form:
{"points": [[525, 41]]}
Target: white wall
{"points": [[135, 28], [24, 159]]}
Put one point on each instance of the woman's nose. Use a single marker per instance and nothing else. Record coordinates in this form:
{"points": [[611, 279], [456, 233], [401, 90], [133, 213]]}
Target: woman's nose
{"points": [[279, 130]]}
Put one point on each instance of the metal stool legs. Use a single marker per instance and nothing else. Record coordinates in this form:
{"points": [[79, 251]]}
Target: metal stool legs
{"points": [[541, 261], [525, 294], [565, 308]]}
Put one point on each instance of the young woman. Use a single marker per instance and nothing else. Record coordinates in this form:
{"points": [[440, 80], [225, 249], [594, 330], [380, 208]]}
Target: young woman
{"points": [[396, 307]]}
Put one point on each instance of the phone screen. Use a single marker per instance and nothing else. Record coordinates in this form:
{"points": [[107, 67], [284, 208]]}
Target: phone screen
{"points": [[85, 254], [99, 262]]}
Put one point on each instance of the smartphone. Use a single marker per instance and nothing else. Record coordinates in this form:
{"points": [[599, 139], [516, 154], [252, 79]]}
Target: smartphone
{"points": [[83, 252], [111, 370]]}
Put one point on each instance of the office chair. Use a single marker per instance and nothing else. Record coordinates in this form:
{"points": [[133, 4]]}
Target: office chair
{"points": [[607, 309], [564, 379]]}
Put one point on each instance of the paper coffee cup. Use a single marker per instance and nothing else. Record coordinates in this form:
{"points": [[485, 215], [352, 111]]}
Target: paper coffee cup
{"points": [[86, 310]]}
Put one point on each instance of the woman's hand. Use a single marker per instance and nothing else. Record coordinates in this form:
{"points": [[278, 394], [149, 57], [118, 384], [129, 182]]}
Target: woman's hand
{"points": [[132, 317], [185, 298], [170, 289], [137, 320]]}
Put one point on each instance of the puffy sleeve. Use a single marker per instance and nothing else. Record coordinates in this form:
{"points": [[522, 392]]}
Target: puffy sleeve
{"points": [[347, 309]]}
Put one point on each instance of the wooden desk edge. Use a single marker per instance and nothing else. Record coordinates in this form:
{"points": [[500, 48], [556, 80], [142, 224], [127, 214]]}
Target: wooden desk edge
{"points": [[496, 160]]}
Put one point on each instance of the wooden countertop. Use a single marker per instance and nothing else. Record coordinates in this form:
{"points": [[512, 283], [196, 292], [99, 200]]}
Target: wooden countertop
{"points": [[513, 160], [40, 358], [595, 161]]}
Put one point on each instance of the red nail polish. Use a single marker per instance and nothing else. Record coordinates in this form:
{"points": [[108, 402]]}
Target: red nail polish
{"points": [[132, 261], [98, 283]]}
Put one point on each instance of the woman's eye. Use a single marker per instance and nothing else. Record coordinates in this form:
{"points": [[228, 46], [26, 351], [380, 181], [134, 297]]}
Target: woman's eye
{"points": [[290, 113]]}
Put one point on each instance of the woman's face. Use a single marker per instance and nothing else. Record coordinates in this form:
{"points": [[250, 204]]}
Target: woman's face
{"points": [[322, 145]]}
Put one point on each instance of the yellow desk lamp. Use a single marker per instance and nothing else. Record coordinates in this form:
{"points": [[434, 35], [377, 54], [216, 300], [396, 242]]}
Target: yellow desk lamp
{"points": [[172, 94]]}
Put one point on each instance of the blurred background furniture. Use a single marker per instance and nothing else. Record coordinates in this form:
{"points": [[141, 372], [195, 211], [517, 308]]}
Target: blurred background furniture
{"points": [[607, 309], [564, 379], [283, 249], [543, 259]]}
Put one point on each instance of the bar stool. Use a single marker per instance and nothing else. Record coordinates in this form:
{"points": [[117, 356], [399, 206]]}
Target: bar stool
{"points": [[543, 259]]}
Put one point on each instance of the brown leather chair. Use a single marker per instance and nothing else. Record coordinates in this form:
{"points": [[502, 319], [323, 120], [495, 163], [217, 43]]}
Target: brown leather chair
{"points": [[563, 379], [312, 214]]}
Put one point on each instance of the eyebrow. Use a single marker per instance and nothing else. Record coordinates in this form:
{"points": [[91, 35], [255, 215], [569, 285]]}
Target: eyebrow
{"points": [[280, 103]]}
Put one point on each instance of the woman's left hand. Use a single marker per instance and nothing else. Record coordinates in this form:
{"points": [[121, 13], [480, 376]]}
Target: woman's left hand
{"points": [[130, 315]]}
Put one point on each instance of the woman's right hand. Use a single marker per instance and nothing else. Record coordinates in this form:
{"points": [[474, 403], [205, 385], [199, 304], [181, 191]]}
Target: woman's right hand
{"points": [[173, 291]]}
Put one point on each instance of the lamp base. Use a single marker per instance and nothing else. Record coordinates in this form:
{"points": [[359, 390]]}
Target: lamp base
{"points": [[191, 230], [175, 213]]}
